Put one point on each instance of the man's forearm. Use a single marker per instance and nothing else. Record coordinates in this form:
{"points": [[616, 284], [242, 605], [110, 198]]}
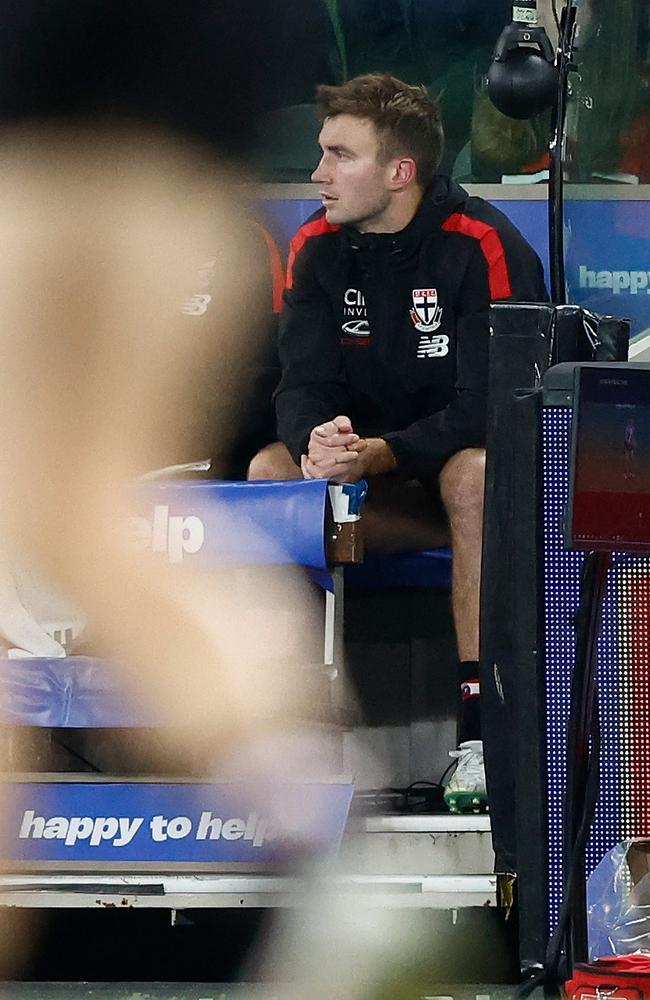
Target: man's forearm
{"points": [[378, 457]]}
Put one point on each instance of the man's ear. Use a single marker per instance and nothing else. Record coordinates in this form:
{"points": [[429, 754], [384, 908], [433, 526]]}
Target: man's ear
{"points": [[403, 173]]}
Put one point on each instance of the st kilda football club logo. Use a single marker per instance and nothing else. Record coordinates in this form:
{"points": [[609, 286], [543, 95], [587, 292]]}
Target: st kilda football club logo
{"points": [[426, 315]]}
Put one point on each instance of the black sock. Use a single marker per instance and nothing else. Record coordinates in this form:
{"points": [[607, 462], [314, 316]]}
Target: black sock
{"points": [[469, 727]]}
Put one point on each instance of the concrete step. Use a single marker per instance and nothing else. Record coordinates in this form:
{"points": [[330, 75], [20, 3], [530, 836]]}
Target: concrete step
{"points": [[407, 845], [182, 892]]}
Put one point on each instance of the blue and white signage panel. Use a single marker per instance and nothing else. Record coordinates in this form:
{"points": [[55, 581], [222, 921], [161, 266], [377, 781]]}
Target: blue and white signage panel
{"points": [[231, 522], [127, 823], [608, 259]]}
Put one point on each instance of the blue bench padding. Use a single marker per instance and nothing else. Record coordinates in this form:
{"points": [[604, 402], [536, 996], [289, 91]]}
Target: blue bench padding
{"points": [[247, 523], [429, 568]]}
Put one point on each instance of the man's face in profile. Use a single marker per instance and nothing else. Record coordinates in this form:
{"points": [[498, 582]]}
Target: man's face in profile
{"points": [[353, 182]]}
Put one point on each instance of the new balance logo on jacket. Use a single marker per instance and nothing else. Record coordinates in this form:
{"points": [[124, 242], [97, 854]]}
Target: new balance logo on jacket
{"points": [[433, 347]]}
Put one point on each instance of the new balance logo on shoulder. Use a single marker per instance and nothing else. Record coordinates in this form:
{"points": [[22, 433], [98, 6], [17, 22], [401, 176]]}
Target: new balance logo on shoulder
{"points": [[433, 347]]}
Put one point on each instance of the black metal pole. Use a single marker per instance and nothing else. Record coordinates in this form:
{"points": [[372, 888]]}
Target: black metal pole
{"points": [[583, 751], [556, 150]]}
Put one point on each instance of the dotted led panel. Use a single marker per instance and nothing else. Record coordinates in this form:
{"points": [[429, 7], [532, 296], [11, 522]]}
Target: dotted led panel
{"points": [[623, 661]]}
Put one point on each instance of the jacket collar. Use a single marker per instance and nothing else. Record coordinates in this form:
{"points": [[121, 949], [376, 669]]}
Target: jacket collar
{"points": [[440, 199]]}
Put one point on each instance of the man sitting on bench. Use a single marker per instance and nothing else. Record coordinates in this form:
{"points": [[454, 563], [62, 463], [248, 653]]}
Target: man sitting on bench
{"points": [[384, 347]]}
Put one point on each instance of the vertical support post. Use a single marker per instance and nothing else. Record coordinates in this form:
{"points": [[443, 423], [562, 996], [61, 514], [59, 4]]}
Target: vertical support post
{"points": [[333, 650]]}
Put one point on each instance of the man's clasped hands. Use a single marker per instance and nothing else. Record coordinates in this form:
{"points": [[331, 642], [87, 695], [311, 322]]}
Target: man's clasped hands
{"points": [[337, 453]]}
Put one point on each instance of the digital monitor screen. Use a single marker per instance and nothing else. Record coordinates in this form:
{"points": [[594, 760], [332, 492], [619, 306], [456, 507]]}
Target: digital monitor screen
{"points": [[609, 506]]}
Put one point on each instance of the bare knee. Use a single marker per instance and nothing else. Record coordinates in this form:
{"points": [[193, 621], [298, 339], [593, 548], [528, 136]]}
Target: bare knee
{"points": [[273, 462], [462, 485]]}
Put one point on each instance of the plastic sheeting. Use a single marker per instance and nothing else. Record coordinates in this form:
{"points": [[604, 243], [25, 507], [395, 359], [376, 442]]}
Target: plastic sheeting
{"points": [[618, 901], [76, 692]]}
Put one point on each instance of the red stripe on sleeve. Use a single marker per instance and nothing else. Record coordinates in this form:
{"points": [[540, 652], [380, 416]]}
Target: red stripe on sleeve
{"points": [[318, 227], [491, 248], [277, 271]]}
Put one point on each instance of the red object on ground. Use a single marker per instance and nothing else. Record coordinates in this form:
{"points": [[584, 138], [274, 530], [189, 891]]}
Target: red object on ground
{"points": [[621, 977]]}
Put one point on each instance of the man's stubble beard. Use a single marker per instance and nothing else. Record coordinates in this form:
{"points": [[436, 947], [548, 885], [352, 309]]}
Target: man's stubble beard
{"points": [[361, 219]]}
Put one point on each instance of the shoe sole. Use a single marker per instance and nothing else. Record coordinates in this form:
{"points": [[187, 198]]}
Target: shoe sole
{"points": [[466, 802]]}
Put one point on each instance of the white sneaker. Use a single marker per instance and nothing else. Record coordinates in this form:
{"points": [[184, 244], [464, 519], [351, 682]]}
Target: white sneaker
{"points": [[465, 791]]}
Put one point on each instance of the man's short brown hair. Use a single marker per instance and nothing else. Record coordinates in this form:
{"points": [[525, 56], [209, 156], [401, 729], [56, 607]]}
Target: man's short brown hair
{"points": [[407, 120]]}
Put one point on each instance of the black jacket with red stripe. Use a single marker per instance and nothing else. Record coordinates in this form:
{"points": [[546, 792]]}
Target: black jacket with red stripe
{"points": [[392, 329]]}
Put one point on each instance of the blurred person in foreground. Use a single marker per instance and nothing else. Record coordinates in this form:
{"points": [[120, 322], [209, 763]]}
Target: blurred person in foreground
{"points": [[384, 348], [121, 126], [118, 163], [115, 189]]}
